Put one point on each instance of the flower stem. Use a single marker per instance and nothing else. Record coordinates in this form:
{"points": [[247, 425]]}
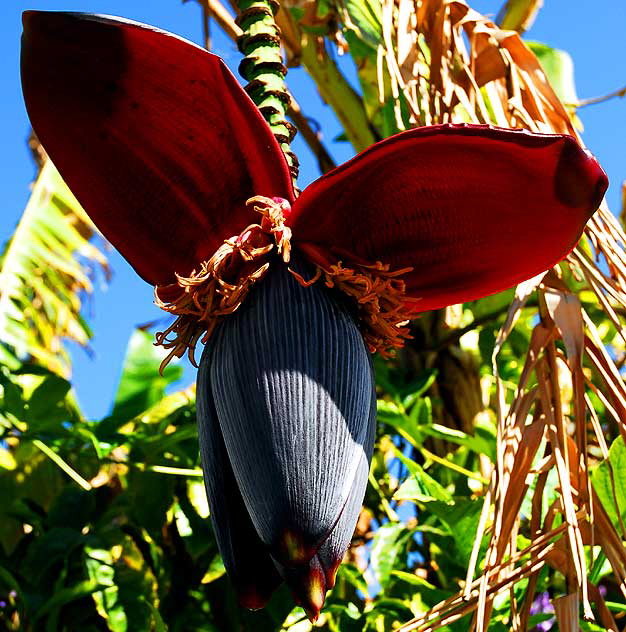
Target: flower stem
{"points": [[265, 72]]}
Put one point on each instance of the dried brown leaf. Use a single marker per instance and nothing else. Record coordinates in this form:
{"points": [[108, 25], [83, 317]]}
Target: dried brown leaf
{"points": [[566, 611], [479, 72]]}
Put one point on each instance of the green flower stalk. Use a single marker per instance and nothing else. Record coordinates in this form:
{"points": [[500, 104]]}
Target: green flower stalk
{"points": [[265, 72]]}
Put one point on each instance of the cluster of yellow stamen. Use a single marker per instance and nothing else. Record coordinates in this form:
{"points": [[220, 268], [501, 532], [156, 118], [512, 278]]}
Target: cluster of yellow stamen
{"points": [[383, 310], [222, 283]]}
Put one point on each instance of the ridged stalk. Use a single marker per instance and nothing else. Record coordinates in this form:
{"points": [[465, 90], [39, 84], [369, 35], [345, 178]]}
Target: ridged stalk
{"points": [[265, 72]]}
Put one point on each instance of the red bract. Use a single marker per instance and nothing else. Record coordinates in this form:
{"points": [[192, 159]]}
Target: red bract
{"points": [[153, 135], [164, 149]]}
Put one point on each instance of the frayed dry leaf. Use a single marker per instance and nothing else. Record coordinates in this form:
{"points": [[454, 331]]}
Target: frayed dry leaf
{"points": [[516, 91], [613, 384], [462, 67], [522, 294], [606, 618], [557, 438], [521, 565], [564, 309], [566, 611], [437, 61], [622, 215]]}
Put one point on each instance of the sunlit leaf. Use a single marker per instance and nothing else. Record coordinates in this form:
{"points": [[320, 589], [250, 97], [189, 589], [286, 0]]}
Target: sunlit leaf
{"points": [[67, 595], [559, 67], [461, 519], [609, 481], [389, 543], [364, 18], [136, 584], [99, 564], [420, 486], [519, 15], [45, 268], [215, 570], [141, 386]]}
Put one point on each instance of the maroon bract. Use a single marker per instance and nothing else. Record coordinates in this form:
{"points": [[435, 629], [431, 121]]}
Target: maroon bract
{"points": [[170, 158]]}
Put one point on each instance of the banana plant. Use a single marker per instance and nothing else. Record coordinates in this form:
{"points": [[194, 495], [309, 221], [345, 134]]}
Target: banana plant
{"points": [[289, 293]]}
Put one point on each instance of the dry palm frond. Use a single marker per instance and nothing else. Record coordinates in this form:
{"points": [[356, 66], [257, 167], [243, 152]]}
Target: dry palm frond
{"points": [[497, 79], [545, 424], [438, 61], [44, 270]]}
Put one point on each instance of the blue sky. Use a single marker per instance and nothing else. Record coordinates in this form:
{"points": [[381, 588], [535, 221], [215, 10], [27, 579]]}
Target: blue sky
{"points": [[591, 32]]}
